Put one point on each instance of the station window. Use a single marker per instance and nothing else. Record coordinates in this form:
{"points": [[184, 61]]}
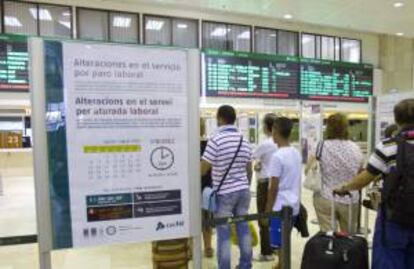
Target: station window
{"points": [[55, 21], [309, 46], [171, 31], [37, 19], [225, 36], [124, 27], [20, 18], [288, 43], [104, 25], [351, 50], [265, 40], [93, 24]]}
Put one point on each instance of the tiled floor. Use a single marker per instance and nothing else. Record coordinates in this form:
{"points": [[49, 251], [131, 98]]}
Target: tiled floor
{"points": [[17, 217]]}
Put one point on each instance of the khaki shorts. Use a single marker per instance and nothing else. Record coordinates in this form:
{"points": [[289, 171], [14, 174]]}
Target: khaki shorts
{"points": [[323, 212]]}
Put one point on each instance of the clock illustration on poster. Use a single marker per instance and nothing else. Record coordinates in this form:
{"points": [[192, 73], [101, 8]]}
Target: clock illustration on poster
{"points": [[162, 158]]}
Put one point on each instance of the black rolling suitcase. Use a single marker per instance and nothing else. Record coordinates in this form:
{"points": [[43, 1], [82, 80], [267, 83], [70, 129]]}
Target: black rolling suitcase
{"points": [[336, 250]]}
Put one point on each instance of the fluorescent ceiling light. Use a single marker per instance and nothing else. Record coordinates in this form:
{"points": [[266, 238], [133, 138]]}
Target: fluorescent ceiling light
{"points": [[65, 23], [244, 35], [272, 35], [44, 14], [66, 14], [398, 4], [219, 31], [400, 34], [154, 25], [12, 21], [182, 26], [288, 16], [121, 22]]}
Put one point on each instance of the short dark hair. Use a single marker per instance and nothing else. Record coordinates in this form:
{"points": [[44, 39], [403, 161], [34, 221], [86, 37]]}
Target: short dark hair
{"points": [[268, 121], [404, 112], [227, 113], [337, 127], [283, 126]]}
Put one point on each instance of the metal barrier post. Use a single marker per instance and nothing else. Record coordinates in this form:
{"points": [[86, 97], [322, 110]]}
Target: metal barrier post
{"points": [[287, 221]]}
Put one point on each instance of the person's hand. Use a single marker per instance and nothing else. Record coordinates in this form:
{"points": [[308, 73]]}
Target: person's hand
{"points": [[257, 167], [341, 191]]}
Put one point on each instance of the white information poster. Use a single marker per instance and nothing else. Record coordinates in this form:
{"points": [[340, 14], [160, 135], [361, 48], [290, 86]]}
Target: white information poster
{"points": [[385, 112], [311, 124], [126, 110]]}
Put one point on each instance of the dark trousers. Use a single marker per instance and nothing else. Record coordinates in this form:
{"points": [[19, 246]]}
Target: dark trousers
{"points": [[262, 189]]}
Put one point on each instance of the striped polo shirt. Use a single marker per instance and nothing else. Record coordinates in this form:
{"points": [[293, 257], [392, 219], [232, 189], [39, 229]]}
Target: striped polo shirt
{"points": [[220, 151], [384, 157]]}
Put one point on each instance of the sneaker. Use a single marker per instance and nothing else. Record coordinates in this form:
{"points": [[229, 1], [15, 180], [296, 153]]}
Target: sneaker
{"points": [[264, 258]]}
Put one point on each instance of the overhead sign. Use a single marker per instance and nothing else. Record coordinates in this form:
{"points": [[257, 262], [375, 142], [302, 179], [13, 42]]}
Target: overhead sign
{"points": [[117, 122], [243, 74]]}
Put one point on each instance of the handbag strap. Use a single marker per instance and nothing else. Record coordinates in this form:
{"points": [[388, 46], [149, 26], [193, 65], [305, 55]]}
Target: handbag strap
{"points": [[229, 168], [319, 150]]}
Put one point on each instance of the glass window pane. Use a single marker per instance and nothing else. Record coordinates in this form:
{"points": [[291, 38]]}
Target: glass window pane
{"points": [[55, 21], [20, 18], [158, 31], [308, 46], [351, 50], [328, 48], [93, 24], [214, 35], [238, 38], [287, 43], [185, 33], [265, 41], [337, 48], [124, 27]]}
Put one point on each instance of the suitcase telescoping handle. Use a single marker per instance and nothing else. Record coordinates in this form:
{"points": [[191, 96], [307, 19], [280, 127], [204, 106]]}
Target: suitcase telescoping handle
{"points": [[333, 219]]}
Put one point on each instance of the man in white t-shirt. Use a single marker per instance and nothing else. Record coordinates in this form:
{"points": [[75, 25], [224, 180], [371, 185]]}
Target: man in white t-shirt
{"points": [[263, 156], [285, 173]]}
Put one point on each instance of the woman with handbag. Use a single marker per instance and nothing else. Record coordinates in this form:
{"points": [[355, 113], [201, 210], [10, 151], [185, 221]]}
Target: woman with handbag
{"points": [[340, 159]]}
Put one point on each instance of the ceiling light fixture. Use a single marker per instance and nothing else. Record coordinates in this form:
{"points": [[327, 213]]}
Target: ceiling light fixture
{"points": [[182, 26], [244, 35], [219, 31], [44, 14], [121, 22], [400, 34], [398, 4], [288, 16], [154, 25], [12, 21]]}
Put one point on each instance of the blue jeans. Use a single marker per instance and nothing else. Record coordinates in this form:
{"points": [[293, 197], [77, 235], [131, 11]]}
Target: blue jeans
{"points": [[234, 204], [398, 251]]}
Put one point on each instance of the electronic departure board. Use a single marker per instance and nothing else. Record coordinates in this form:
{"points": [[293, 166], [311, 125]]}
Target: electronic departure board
{"points": [[14, 58], [335, 81], [239, 74]]}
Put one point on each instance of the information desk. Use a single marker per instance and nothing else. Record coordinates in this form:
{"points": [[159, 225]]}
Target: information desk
{"points": [[240, 74], [13, 63], [335, 81]]}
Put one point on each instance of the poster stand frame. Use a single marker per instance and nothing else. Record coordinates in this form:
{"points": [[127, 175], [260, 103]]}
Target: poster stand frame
{"points": [[40, 152]]}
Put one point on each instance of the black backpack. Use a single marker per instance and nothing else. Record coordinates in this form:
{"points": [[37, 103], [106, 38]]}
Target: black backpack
{"points": [[398, 190]]}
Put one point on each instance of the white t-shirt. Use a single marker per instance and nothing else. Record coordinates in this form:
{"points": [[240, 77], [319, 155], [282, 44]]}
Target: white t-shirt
{"points": [[286, 165], [263, 153]]}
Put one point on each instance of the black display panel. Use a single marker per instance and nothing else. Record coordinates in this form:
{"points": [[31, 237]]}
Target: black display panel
{"points": [[240, 74], [14, 59], [335, 81]]}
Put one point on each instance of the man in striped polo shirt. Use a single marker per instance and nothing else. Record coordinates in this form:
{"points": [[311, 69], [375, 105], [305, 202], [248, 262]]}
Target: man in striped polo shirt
{"points": [[393, 246], [229, 156]]}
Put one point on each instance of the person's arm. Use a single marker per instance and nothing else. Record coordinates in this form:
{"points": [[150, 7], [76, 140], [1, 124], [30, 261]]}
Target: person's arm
{"points": [[272, 194], [249, 172], [205, 167], [310, 164], [357, 183]]}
